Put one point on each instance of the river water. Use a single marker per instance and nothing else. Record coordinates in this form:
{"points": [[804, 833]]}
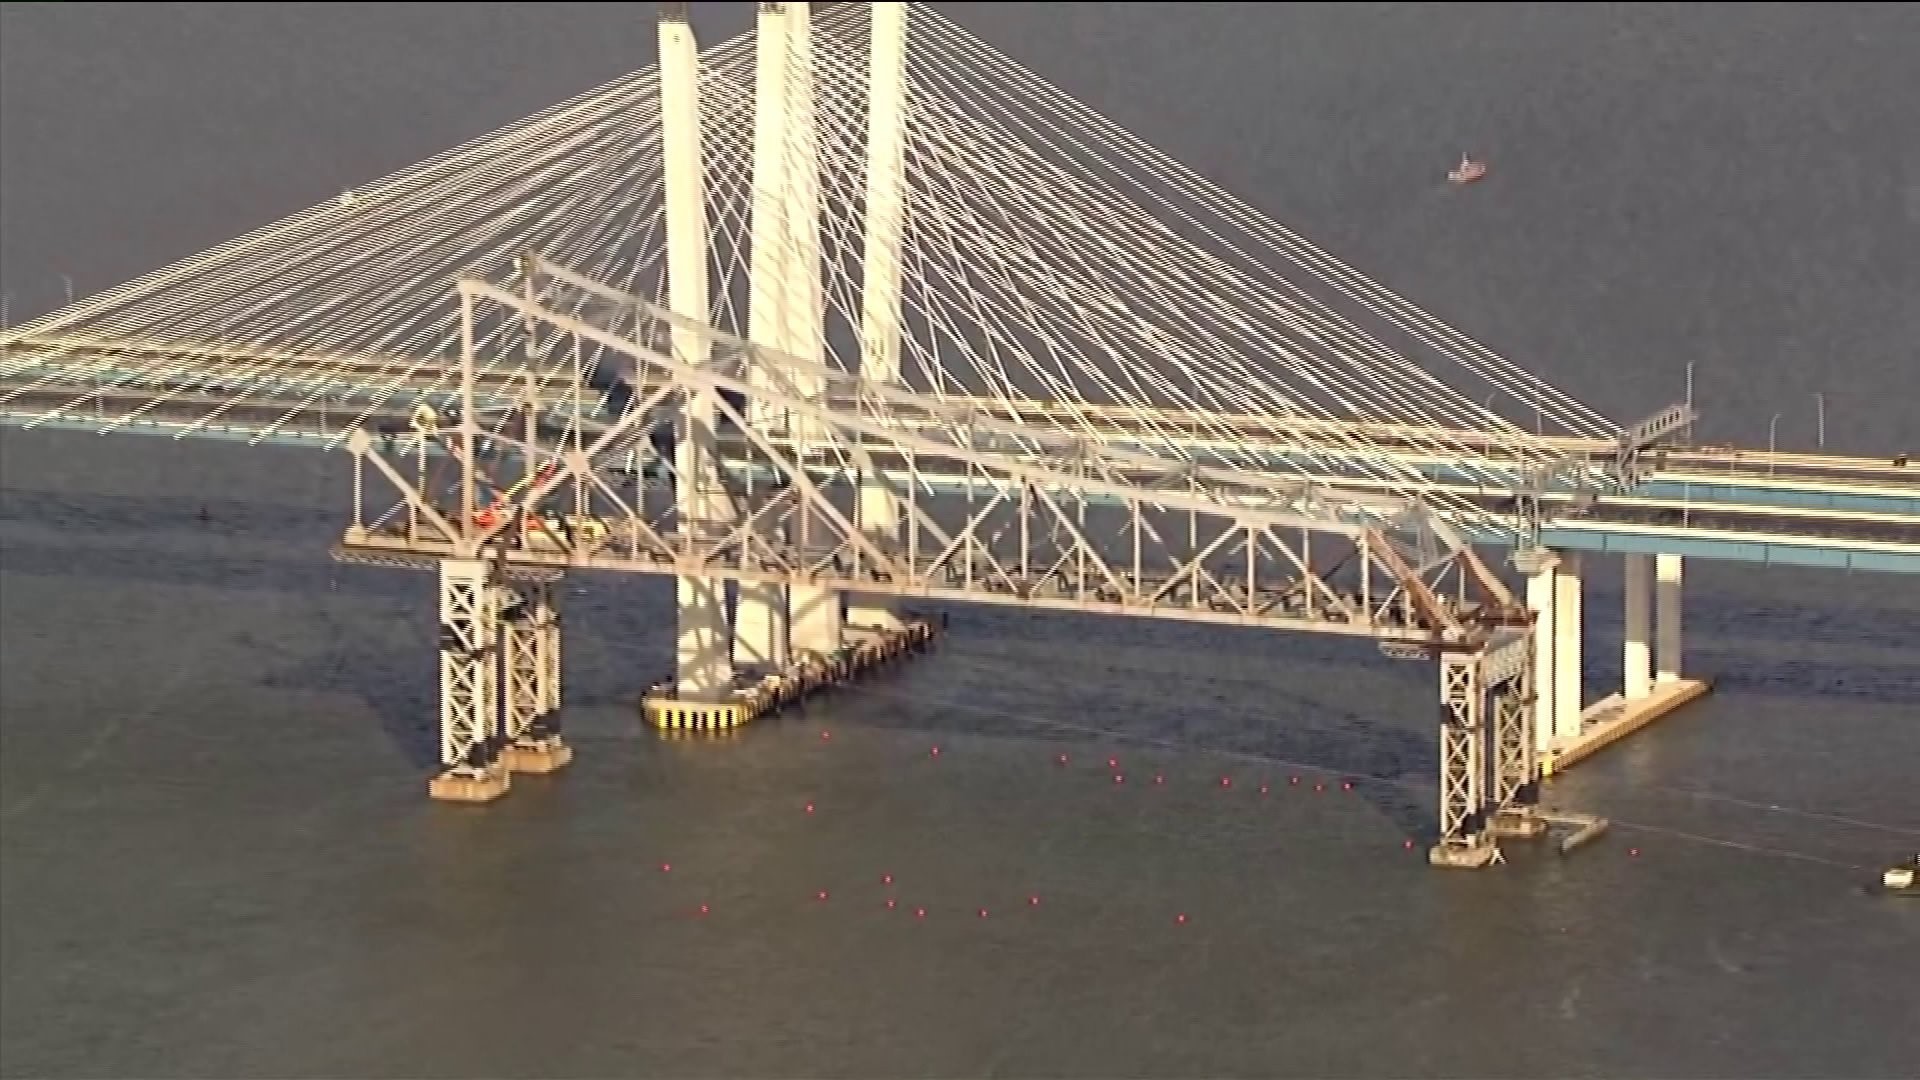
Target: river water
{"points": [[219, 860]]}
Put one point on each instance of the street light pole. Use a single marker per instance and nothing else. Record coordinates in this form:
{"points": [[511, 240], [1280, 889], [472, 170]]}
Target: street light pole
{"points": [[1689, 400], [1773, 428], [1820, 410]]}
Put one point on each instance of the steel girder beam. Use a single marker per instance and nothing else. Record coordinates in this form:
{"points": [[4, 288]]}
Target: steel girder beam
{"points": [[1030, 535], [897, 407], [1096, 465]]}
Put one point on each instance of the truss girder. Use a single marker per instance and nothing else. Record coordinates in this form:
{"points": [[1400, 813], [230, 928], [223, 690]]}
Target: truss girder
{"points": [[899, 406], [1094, 531]]}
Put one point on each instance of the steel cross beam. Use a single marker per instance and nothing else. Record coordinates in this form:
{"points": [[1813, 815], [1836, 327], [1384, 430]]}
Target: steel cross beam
{"points": [[1239, 562], [1260, 489], [902, 404], [688, 376]]}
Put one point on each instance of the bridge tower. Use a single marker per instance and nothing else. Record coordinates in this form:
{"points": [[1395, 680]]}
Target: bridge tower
{"points": [[787, 308], [703, 664], [761, 629], [815, 615], [880, 309]]}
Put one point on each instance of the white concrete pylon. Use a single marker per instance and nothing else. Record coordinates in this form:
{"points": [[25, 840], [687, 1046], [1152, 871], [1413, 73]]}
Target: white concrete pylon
{"points": [[760, 623], [879, 511], [1540, 597], [815, 617], [703, 670], [1567, 628], [1637, 646], [1667, 659]]}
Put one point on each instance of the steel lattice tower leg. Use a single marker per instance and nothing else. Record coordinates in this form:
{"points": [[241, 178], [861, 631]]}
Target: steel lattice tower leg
{"points": [[546, 620], [470, 737], [1516, 768], [532, 677], [1464, 840], [520, 647]]}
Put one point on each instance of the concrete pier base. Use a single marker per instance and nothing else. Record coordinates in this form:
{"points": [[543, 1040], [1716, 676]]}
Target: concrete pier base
{"points": [[809, 674], [1518, 824], [1464, 856], [537, 756], [463, 786], [1614, 718], [669, 714]]}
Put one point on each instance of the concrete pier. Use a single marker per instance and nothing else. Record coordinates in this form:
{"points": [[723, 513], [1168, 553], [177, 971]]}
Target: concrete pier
{"points": [[811, 674]]}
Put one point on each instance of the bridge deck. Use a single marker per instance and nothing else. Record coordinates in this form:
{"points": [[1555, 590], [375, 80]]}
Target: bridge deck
{"points": [[1737, 506]]}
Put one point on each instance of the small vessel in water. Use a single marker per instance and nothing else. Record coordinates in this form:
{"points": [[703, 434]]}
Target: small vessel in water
{"points": [[1468, 171], [1902, 878]]}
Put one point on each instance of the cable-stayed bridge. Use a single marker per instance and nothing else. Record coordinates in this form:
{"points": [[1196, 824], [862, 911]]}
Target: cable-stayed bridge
{"points": [[855, 310]]}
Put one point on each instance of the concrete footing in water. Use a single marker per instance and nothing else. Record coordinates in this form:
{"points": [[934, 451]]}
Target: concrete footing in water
{"points": [[537, 756], [1614, 718], [872, 650], [471, 785]]}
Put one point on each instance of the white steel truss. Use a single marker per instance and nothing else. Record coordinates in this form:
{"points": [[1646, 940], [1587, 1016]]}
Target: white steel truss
{"points": [[990, 510], [469, 659]]}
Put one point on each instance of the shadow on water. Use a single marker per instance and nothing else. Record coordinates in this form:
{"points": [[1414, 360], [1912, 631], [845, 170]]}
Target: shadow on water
{"points": [[200, 515], [293, 576], [395, 679]]}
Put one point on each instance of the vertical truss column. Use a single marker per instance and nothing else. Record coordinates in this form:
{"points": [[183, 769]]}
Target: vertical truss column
{"points": [[1667, 570], [546, 622], [1540, 597], [520, 669], [1567, 627], [815, 616], [760, 627], [470, 690], [878, 510], [1637, 643], [530, 628], [703, 666], [1464, 838], [1508, 671]]}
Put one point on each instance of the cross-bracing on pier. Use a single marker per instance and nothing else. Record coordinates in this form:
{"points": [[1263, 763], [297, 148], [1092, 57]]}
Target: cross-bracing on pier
{"points": [[923, 328]]}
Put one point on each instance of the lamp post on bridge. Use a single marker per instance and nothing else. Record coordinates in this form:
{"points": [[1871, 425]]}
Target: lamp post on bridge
{"points": [[68, 282], [1689, 401], [1773, 428], [1820, 415]]}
